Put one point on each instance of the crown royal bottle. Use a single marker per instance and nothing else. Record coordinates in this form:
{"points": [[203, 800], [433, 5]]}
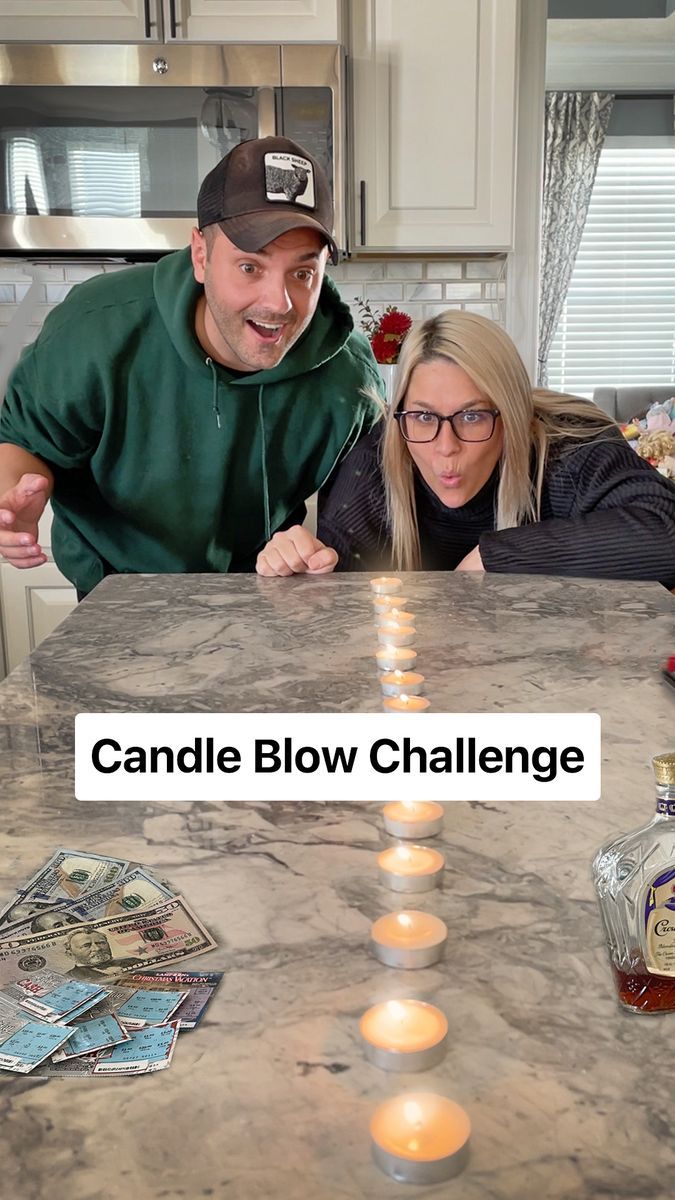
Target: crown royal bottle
{"points": [[634, 876]]}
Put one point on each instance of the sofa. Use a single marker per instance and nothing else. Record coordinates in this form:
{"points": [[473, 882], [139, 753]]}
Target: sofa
{"points": [[622, 403]]}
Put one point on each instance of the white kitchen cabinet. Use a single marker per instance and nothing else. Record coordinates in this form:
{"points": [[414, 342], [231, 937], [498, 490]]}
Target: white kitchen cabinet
{"points": [[33, 603], [99, 21], [256, 20], [78, 20], [435, 110]]}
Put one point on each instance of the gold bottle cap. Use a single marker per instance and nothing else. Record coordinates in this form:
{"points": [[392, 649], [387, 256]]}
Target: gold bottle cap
{"points": [[664, 768]]}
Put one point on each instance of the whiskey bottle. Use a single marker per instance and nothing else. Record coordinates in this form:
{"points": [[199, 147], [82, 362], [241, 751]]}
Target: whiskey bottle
{"points": [[634, 876]]}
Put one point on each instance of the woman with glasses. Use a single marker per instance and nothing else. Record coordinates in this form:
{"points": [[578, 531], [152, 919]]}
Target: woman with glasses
{"points": [[472, 469]]}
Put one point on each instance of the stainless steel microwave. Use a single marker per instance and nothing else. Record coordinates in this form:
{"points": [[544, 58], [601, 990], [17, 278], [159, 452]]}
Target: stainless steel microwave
{"points": [[102, 148]]}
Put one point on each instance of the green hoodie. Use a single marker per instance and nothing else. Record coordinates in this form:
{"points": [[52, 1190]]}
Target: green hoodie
{"points": [[164, 461]]}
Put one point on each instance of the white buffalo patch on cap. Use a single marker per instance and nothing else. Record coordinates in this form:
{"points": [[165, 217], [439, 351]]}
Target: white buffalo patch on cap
{"points": [[289, 179]]}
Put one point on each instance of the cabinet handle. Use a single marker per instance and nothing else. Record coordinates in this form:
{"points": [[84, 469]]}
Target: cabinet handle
{"points": [[173, 24], [146, 14], [362, 204]]}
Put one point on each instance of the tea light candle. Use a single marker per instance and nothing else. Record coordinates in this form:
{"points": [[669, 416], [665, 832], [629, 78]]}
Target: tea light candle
{"points": [[395, 682], [409, 939], [410, 868], [383, 604], [389, 657], [394, 617], [404, 1035], [396, 635], [413, 818], [385, 586], [405, 703], [420, 1137]]}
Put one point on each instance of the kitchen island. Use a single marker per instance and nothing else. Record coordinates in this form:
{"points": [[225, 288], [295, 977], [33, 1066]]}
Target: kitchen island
{"points": [[271, 1096]]}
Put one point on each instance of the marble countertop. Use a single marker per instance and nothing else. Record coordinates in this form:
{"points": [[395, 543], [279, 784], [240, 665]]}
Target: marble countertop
{"points": [[271, 1096]]}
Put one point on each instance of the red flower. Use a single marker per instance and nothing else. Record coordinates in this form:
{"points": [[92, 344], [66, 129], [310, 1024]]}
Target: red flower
{"points": [[395, 322], [385, 347]]}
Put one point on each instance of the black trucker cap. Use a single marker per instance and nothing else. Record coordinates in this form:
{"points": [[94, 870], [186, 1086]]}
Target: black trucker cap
{"points": [[263, 188]]}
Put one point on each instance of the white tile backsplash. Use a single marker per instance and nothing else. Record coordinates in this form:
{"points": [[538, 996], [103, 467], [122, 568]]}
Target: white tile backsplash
{"points": [[444, 270], [421, 287], [423, 291], [463, 291]]}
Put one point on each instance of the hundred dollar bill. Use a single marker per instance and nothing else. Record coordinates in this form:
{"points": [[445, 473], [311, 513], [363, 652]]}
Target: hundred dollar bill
{"points": [[66, 876], [135, 890], [109, 947]]}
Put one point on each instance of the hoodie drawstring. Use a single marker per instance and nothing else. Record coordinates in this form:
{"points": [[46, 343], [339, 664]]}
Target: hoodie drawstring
{"points": [[214, 379], [263, 454], [266, 491]]}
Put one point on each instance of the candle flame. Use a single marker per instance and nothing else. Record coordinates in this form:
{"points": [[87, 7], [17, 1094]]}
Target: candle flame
{"points": [[396, 1010], [413, 1113], [403, 854], [405, 919], [404, 698], [409, 805], [398, 674]]}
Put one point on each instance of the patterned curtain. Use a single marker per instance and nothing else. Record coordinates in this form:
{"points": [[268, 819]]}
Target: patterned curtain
{"points": [[576, 124]]}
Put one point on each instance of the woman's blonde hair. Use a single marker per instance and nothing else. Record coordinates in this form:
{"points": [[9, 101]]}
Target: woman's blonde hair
{"points": [[531, 420]]}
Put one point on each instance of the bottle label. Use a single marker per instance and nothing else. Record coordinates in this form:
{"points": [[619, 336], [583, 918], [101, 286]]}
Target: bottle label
{"points": [[666, 807], [659, 924]]}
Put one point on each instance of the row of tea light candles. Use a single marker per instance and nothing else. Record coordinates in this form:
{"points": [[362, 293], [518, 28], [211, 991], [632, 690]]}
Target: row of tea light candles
{"points": [[423, 1137], [401, 687]]}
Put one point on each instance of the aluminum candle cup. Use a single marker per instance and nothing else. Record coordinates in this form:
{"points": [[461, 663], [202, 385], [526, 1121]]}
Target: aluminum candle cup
{"points": [[413, 818], [420, 1138], [404, 1035], [383, 604], [385, 586], [405, 703], [409, 939], [393, 683], [396, 635], [410, 868], [388, 658]]}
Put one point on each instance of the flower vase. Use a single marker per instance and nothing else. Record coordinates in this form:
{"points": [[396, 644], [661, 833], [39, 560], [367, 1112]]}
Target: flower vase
{"points": [[388, 372]]}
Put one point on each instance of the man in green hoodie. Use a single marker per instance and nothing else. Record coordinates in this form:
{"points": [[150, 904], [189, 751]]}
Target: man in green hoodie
{"points": [[179, 414]]}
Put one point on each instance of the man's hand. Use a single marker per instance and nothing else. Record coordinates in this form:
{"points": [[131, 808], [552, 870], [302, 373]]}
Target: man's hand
{"points": [[295, 551], [472, 561], [20, 510]]}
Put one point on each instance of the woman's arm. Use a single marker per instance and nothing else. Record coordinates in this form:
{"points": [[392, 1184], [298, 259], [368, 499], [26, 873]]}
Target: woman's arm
{"points": [[352, 509], [613, 517]]}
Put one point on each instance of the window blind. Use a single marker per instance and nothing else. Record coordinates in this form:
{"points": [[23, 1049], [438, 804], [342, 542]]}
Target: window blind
{"points": [[617, 327]]}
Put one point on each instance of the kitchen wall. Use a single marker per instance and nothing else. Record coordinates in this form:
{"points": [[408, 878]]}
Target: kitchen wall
{"points": [[420, 287]]}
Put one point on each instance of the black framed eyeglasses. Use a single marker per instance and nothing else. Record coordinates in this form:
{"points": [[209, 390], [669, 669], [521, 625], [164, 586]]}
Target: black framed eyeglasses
{"points": [[469, 424]]}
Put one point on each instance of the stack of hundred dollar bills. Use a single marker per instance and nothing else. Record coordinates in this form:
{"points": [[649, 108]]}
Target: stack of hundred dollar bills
{"points": [[92, 980]]}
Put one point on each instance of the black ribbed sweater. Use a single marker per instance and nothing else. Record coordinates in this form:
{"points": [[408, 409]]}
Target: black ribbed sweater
{"points": [[605, 513]]}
